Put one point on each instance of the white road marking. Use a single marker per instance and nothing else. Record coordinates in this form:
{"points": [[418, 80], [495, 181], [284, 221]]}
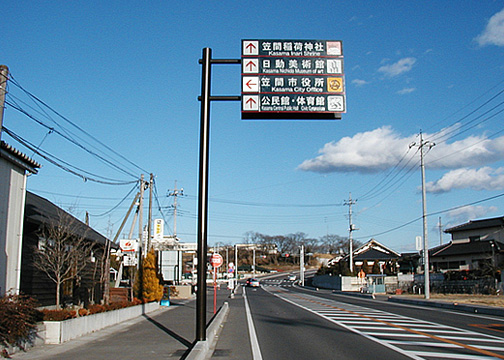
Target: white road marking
{"points": [[370, 324], [256, 350]]}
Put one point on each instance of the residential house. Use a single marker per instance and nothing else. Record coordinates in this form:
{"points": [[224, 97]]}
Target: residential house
{"points": [[85, 288], [14, 169], [370, 253], [477, 244]]}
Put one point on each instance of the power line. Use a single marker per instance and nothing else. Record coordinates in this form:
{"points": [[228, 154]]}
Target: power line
{"points": [[58, 162], [16, 83], [117, 205], [431, 214], [69, 139], [247, 203]]}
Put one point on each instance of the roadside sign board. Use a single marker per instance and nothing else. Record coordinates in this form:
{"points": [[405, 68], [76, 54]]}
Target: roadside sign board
{"points": [[130, 259], [216, 260], [128, 245], [299, 79], [158, 229]]}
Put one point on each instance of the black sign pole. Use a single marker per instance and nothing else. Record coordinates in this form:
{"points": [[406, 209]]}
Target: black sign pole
{"points": [[205, 98], [203, 196]]}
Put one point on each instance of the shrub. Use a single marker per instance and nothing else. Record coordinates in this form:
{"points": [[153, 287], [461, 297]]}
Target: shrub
{"points": [[96, 308], [136, 302], [18, 316], [173, 291], [58, 315], [83, 312], [117, 305]]}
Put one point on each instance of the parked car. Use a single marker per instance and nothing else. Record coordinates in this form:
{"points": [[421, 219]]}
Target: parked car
{"points": [[252, 282], [291, 277]]}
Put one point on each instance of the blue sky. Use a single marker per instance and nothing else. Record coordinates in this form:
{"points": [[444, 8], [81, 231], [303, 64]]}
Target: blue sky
{"points": [[127, 74]]}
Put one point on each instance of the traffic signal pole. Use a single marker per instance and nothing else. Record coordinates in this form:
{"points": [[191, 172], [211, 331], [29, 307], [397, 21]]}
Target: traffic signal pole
{"points": [[205, 98]]}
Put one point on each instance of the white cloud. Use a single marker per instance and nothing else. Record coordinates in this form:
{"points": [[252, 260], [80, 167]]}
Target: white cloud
{"points": [[402, 66], [406, 91], [466, 213], [485, 178], [359, 82], [370, 151], [382, 148], [494, 31], [475, 150]]}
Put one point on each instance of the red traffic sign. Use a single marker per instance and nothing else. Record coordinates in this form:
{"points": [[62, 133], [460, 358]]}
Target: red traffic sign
{"points": [[216, 260]]}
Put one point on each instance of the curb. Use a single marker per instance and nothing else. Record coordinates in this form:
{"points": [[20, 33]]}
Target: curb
{"points": [[487, 310], [355, 294], [201, 348]]}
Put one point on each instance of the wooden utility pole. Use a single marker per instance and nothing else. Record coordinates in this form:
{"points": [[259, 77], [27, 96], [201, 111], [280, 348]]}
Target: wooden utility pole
{"points": [[4, 76], [176, 192], [140, 214], [149, 225]]}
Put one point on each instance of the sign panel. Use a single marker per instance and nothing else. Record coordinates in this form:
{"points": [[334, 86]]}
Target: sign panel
{"points": [[127, 245], [216, 260], [300, 79], [158, 229], [130, 260]]}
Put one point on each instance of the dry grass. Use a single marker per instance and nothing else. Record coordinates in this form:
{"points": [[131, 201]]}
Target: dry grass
{"points": [[488, 300]]}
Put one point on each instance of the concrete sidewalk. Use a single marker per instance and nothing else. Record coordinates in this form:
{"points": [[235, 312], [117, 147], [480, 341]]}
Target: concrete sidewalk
{"points": [[167, 333], [233, 342]]}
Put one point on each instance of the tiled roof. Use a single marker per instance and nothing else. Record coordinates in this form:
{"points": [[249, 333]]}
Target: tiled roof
{"points": [[17, 157], [478, 224], [473, 247]]}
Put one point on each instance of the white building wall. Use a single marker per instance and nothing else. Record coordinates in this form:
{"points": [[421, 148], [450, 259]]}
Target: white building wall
{"points": [[12, 200]]}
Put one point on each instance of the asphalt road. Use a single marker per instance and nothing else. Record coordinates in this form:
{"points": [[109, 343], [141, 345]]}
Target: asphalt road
{"points": [[292, 323]]}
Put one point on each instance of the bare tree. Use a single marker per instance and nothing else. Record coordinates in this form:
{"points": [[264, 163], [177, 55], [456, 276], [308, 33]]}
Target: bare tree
{"points": [[63, 250]]}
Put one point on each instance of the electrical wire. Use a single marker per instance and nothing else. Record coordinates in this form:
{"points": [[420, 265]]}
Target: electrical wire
{"points": [[17, 84], [257, 204], [58, 162], [430, 214], [117, 205], [69, 139]]}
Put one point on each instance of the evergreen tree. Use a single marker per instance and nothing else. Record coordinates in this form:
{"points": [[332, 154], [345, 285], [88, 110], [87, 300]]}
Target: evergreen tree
{"points": [[152, 290]]}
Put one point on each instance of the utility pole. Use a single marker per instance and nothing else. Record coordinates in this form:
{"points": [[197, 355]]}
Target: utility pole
{"points": [[149, 225], [236, 264], [4, 76], [351, 228], [176, 192], [140, 213], [421, 146], [253, 261], [440, 231], [301, 265]]}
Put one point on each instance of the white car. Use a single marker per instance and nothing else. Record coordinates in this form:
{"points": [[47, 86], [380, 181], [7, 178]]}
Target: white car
{"points": [[252, 282], [291, 277]]}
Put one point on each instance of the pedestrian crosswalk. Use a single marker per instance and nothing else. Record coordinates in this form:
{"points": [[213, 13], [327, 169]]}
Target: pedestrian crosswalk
{"points": [[278, 282], [409, 336]]}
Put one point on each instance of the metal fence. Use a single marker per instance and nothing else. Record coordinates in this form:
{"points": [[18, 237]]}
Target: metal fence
{"points": [[481, 286]]}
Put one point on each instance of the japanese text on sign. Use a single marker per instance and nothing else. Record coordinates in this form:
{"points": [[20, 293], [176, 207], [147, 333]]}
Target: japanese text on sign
{"points": [[293, 77]]}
